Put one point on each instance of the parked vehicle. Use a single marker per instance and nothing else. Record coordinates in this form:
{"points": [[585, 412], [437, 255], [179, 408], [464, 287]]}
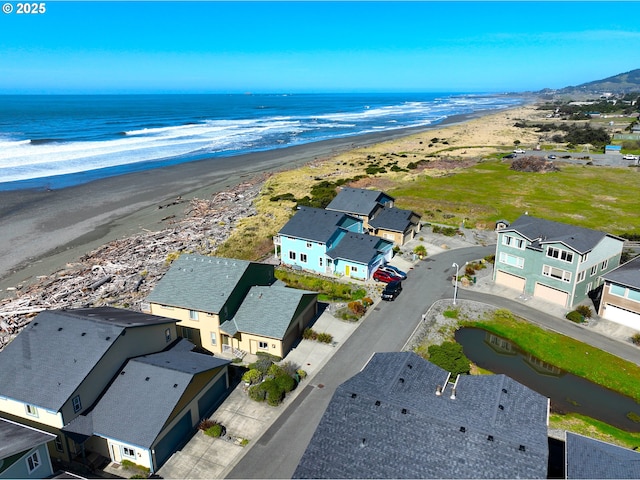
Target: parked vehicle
{"points": [[552, 157], [511, 155], [394, 271], [519, 150], [629, 156], [386, 277], [392, 290]]}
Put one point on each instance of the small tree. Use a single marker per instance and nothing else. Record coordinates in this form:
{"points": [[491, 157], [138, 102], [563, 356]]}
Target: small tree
{"points": [[420, 250], [450, 356]]}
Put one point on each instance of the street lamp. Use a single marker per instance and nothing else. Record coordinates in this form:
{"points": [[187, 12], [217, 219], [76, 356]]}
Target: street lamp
{"points": [[455, 288]]}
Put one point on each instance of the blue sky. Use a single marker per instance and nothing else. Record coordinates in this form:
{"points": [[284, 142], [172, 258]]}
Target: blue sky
{"points": [[260, 47]]}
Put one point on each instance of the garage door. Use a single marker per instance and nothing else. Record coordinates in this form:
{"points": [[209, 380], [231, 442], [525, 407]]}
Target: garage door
{"points": [[512, 281], [622, 316], [551, 294]]}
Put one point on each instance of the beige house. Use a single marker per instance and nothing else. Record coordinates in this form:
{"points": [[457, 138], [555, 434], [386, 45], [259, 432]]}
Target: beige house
{"points": [[231, 306], [620, 300]]}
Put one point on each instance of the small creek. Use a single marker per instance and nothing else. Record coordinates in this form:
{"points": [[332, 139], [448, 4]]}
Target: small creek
{"points": [[568, 393]]}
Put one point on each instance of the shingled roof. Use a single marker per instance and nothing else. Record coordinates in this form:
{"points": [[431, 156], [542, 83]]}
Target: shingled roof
{"points": [[190, 280], [358, 201], [540, 232], [315, 224], [627, 274], [51, 357], [16, 438], [589, 458], [359, 247], [137, 405], [388, 422], [393, 219], [267, 311]]}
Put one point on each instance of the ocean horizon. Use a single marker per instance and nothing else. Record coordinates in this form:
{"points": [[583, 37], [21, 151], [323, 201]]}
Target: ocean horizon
{"points": [[57, 141]]}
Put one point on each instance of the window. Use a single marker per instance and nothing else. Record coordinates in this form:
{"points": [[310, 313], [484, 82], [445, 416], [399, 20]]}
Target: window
{"points": [[77, 404], [604, 265], [167, 335], [511, 260], [320, 261], [560, 254], [303, 257], [263, 345], [354, 269], [193, 315], [583, 258], [594, 269], [581, 276], [129, 452], [292, 255], [557, 273], [33, 461], [617, 290], [513, 242], [309, 244], [31, 410], [59, 446], [214, 338]]}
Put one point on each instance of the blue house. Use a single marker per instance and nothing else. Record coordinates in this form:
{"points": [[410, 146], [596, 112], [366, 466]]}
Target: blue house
{"points": [[331, 243], [23, 451]]}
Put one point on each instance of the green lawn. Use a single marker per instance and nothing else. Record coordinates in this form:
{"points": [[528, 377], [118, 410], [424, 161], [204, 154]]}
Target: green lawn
{"points": [[594, 197]]}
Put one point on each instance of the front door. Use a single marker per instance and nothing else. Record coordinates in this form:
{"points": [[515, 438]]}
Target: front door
{"points": [[347, 270], [115, 452]]}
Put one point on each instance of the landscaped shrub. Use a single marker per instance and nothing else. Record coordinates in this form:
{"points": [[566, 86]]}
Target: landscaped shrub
{"points": [[206, 423], [367, 302], [450, 356], [274, 392], [420, 250], [262, 365], [214, 431], [469, 270], [575, 316], [301, 374], [325, 338], [252, 376], [275, 370], [451, 313], [309, 334], [584, 310], [635, 338], [289, 368], [357, 308], [285, 382], [257, 393]]}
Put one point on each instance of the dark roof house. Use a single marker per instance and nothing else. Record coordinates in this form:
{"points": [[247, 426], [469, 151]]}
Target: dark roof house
{"points": [[589, 458], [394, 419], [359, 201], [318, 225]]}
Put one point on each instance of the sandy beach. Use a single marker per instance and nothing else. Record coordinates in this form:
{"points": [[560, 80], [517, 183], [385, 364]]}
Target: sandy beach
{"points": [[42, 231]]}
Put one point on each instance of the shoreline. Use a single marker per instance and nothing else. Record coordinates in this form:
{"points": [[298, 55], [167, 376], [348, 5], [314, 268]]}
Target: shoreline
{"points": [[48, 229]]}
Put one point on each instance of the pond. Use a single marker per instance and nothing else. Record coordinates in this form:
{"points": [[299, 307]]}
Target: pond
{"points": [[568, 393]]}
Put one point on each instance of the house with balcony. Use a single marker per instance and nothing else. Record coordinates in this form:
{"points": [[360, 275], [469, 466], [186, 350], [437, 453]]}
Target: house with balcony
{"points": [[620, 298], [331, 243], [554, 261], [403, 417], [63, 374], [378, 215], [231, 306]]}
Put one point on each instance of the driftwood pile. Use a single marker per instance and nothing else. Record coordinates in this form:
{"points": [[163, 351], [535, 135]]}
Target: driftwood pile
{"points": [[533, 164], [123, 272]]}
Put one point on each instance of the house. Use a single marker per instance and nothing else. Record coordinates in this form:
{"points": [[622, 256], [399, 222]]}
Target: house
{"points": [[554, 261], [612, 149], [66, 365], [232, 306], [400, 417], [331, 243], [23, 451], [378, 215], [271, 319], [589, 458], [620, 299], [202, 293], [153, 404]]}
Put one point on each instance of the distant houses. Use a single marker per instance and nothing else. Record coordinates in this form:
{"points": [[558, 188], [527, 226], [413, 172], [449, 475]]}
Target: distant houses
{"points": [[401, 417], [553, 261]]}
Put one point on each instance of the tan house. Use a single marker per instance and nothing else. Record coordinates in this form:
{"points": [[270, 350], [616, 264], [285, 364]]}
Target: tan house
{"points": [[207, 296], [620, 300]]}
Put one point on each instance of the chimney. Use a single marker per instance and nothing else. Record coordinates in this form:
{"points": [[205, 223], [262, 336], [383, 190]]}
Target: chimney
{"points": [[439, 390], [453, 393]]}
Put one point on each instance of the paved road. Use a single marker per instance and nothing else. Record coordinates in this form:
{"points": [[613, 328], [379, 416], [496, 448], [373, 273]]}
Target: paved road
{"points": [[277, 453]]}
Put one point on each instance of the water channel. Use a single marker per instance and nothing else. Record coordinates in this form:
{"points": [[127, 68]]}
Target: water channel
{"points": [[568, 393]]}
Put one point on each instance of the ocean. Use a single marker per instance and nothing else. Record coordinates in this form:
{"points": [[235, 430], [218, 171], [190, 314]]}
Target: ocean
{"points": [[56, 141]]}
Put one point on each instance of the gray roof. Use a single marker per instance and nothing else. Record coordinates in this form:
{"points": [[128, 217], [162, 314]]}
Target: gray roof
{"points": [[358, 201], [52, 355], [393, 219], [627, 274], [314, 224], [266, 311], [358, 247], [589, 458], [580, 239], [16, 438], [136, 406], [387, 422], [199, 283]]}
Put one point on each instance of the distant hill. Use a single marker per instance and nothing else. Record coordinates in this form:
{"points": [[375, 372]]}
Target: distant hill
{"points": [[621, 83]]}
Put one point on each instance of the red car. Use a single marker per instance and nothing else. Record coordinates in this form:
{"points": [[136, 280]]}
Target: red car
{"points": [[383, 276]]}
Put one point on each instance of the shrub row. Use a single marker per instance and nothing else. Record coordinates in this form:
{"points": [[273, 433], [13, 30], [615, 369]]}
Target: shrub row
{"points": [[310, 334]]}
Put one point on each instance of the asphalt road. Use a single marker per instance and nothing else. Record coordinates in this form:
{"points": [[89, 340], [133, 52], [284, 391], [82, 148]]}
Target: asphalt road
{"points": [[277, 453]]}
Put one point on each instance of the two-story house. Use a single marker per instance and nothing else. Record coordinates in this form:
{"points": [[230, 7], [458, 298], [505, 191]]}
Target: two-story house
{"points": [[24, 452], [232, 306], [63, 366], [331, 243], [620, 298], [554, 261], [378, 215], [402, 417]]}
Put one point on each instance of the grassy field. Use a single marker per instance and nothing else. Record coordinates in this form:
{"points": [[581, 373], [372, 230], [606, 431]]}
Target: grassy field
{"points": [[592, 428]]}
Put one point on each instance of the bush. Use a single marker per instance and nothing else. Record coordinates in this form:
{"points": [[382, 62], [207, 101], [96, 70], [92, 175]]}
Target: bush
{"points": [[325, 337], [262, 365], [575, 316], [275, 370], [309, 334], [357, 308], [206, 424], [285, 382], [214, 431], [636, 338], [449, 356], [584, 310], [420, 250], [258, 393], [367, 302], [301, 374], [252, 376], [289, 368], [274, 393]]}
